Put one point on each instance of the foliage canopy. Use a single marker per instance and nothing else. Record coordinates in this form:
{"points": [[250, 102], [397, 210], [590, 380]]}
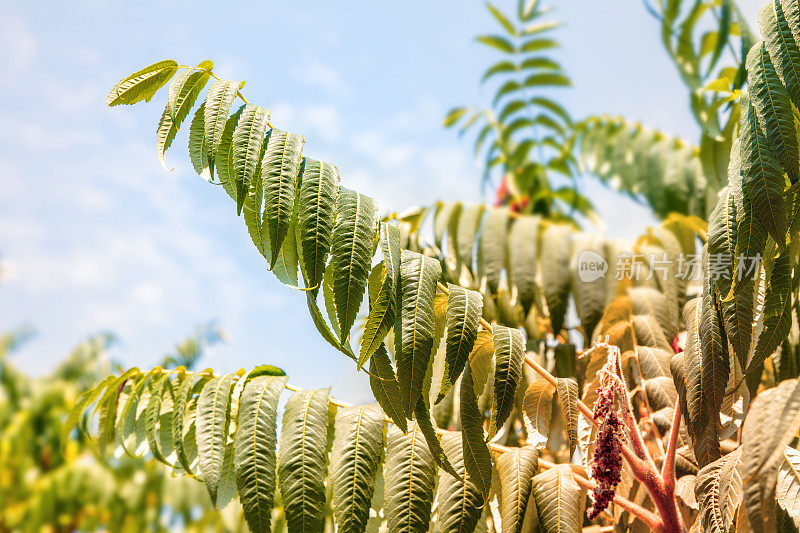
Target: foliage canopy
{"points": [[682, 408]]}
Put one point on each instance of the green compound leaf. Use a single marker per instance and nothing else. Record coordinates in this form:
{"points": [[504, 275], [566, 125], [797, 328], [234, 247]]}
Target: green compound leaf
{"points": [[302, 459], [247, 144], [385, 388], [509, 354], [463, 316], [351, 255], [215, 115], [319, 189], [355, 459], [410, 481], [418, 277], [254, 449], [477, 459], [280, 167], [460, 501], [213, 417]]}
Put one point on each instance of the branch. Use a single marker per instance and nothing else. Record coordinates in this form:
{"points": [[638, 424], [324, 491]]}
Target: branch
{"points": [[668, 468]]}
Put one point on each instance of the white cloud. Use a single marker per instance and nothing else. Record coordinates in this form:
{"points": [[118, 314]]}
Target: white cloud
{"points": [[17, 49], [319, 123], [322, 76]]}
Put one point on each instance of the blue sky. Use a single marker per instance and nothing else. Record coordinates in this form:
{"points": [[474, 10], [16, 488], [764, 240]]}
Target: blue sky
{"points": [[96, 236]]}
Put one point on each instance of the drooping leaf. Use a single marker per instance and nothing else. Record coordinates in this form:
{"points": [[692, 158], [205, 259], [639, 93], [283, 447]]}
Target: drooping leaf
{"points": [[647, 300], [216, 108], [737, 308], [142, 84], [181, 399], [426, 426], [83, 401], [772, 421], [589, 291], [198, 149], [762, 175], [719, 491], [444, 212], [183, 93], [722, 226], [302, 460], [280, 167], [787, 490], [410, 480], [385, 388], [558, 500], [491, 248], [779, 26], [247, 144], [648, 332], [380, 320], [468, 224], [522, 258], [537, 409], [127, 424], [213, 417], [477, 459], [773, 108], [777, 310], [390, 248], [661, 392], [157, 387], [460, 502], [223, 162], [355, 459], [463, 316], [567, 393], [715, 366], [108, 405], [254, 449], [555, 272], [227, 481], [509, 354], [418, 277], [351, 254], [319, 189], [686, 366], [516, 469]]}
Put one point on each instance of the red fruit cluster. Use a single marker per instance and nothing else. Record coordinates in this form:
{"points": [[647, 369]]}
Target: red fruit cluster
{"points": [[607, 458]]}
